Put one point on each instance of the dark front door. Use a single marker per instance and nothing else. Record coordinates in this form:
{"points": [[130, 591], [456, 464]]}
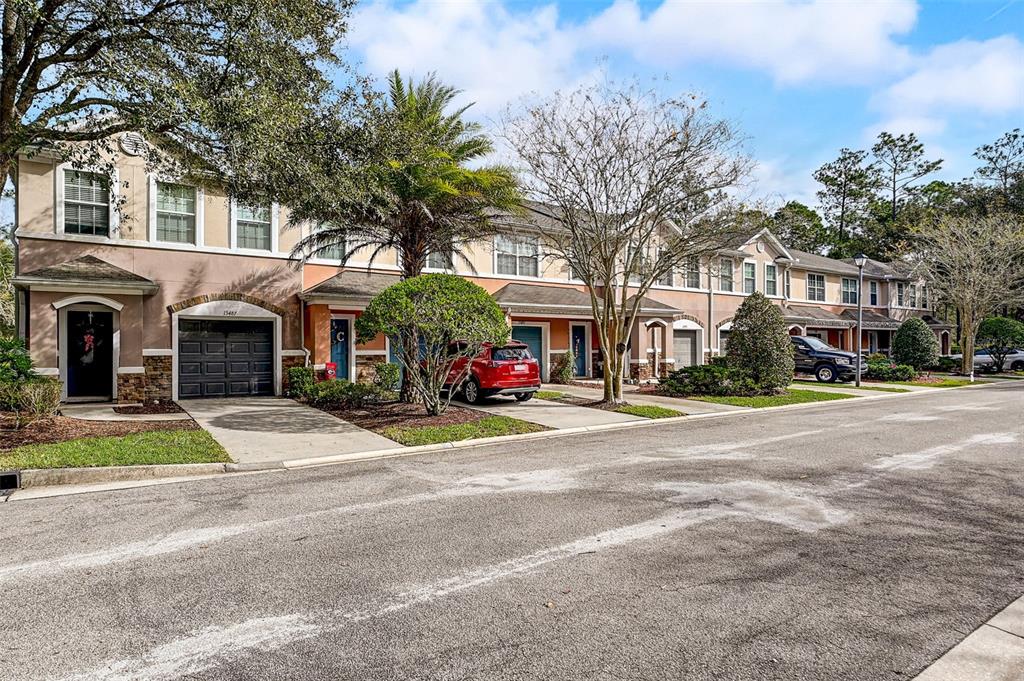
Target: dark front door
{"points": [[340, 346], [90, 337], [222, 358], [579, 348]]}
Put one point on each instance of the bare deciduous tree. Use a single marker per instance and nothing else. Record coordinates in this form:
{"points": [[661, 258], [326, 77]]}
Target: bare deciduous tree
{"points": [[638, 185], [974, 264]]}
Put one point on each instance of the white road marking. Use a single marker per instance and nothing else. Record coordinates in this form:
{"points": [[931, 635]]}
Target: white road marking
{"points": [[910, 417], [927, 458], [729, 450]]}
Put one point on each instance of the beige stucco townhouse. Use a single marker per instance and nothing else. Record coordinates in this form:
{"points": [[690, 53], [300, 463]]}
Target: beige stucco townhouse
{"points": [[186, 293]]}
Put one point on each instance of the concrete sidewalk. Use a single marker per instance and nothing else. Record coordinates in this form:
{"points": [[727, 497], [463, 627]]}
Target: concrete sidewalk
{"points": [[553, 414], [633, 396], [993, 652], [273, 429]]}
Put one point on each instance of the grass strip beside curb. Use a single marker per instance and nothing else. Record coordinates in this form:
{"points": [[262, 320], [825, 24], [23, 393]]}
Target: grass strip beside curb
{"points": [[649, 411], [788, 397], [152, 447], [490, 426]]}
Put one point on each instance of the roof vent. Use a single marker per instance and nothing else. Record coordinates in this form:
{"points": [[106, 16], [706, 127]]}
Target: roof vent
{"points": [[133, 144]]}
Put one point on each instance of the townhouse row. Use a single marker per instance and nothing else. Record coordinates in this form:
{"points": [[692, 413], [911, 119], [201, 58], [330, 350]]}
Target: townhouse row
{"points": [[183, 292]]}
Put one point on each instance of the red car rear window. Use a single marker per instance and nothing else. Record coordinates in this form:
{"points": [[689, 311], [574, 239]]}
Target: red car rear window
{"points": [[509, 354]]}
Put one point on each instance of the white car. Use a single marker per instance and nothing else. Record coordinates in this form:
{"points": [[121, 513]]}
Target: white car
{"points": [[983, 361]]}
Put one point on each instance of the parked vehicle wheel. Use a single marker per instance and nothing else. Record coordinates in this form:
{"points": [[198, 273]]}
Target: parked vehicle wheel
{"points": [[471, 391], [1018, 365], [825, 374], [524, 397]]}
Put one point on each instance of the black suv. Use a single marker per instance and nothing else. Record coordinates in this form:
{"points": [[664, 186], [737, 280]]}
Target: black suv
{"points": [[828, 364]]}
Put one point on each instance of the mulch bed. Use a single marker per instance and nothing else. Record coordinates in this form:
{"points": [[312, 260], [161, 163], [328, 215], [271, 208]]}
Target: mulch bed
{"points": [[63, 428], [155, 408], [381, 416]]}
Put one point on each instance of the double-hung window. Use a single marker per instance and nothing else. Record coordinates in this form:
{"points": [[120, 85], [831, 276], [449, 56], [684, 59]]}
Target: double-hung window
{"points": [[86, 203], [254, 226], [439, 261], [901, 294], [912, 296], [692, 273], [176, 213], [725, 274], [849, 291], [816, 287], [749, 277], [335, 250], [516, 255], [873, 289], [771, 280], [923, 297], [789, 284]]}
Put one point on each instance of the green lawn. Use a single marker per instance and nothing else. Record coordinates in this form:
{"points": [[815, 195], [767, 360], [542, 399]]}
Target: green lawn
{"points": [[489, 426], [944, 383], [879, 388], [649, 411], [548, 395], [788, 397], [152, 447]]}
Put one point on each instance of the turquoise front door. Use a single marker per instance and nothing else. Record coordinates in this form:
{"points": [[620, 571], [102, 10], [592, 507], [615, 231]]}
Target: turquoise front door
{"points": [[340, 345], [533, 337]]}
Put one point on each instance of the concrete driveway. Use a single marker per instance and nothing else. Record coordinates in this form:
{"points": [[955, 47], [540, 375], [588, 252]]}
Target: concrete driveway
{"points": [[552, 414], [266, 429]]}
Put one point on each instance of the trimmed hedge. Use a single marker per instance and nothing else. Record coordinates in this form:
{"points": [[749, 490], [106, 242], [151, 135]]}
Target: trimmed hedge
{"points": [[886, 371], [339, 394], [387, 376], [300, 380], [714, 379]]}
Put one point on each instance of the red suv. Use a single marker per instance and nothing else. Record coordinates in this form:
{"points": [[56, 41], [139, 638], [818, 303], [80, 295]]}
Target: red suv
{"points": [[499, 370]]}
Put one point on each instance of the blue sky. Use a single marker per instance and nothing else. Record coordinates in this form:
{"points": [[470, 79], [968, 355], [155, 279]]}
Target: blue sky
{"points": [[800, 79]]}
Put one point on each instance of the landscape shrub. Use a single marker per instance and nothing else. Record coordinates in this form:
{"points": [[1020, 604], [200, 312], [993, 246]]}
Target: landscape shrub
{"points": [[30, 399], [877, 357], [760, 346], [564, 369], [915, 344], [15, 362], [342, 394], [887, 371], [300, 380], [387, 376], [945, 364], [709, 379]]}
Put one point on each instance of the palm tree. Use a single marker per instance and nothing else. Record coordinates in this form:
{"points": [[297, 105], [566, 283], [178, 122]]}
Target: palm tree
{"points": [[419, 193], [425, 198]]}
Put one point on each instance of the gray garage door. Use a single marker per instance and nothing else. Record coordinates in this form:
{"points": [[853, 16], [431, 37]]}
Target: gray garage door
{"points": [[684, 347], [221, 358]]}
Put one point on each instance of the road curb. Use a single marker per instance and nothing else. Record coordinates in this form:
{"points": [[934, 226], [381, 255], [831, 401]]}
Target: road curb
{"points": [[48, 477], [85, 476]]}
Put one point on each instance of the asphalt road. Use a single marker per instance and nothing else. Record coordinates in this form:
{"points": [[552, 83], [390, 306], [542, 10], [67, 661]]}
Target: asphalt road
{"points": [[842, 541]]}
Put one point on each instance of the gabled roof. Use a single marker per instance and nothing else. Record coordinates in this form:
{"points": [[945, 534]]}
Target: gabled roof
{"points": [[87, 270], [813, 261], [872, 320]]}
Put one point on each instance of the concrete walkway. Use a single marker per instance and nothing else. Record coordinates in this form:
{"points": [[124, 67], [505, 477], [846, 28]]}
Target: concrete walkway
{"points": [[993, 652], [105, 412], [271, 429], [553, 414], [632, 396]]}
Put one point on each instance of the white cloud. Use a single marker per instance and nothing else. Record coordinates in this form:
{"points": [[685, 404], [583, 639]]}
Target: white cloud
{"points": [[494, 55], [983, 77], [497, 53], [793, 41]]}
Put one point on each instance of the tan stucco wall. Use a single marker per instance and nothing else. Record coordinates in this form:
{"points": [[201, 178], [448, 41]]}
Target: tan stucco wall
{"points": [[181, 275], [45, 332]]}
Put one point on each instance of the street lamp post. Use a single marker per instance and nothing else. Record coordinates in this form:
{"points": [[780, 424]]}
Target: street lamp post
{"points": [[860, 260]]}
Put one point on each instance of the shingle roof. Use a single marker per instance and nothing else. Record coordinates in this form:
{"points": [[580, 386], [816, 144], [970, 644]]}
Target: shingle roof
{"points": [[353, 284], [524, 298], [87, 269], [813, 261], [872, 320], [805, 313]]}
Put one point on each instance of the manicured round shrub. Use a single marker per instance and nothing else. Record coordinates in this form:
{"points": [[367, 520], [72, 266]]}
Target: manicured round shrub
{"points": [[564, 369], [759, 344], [300, 380], [915, 344]]}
